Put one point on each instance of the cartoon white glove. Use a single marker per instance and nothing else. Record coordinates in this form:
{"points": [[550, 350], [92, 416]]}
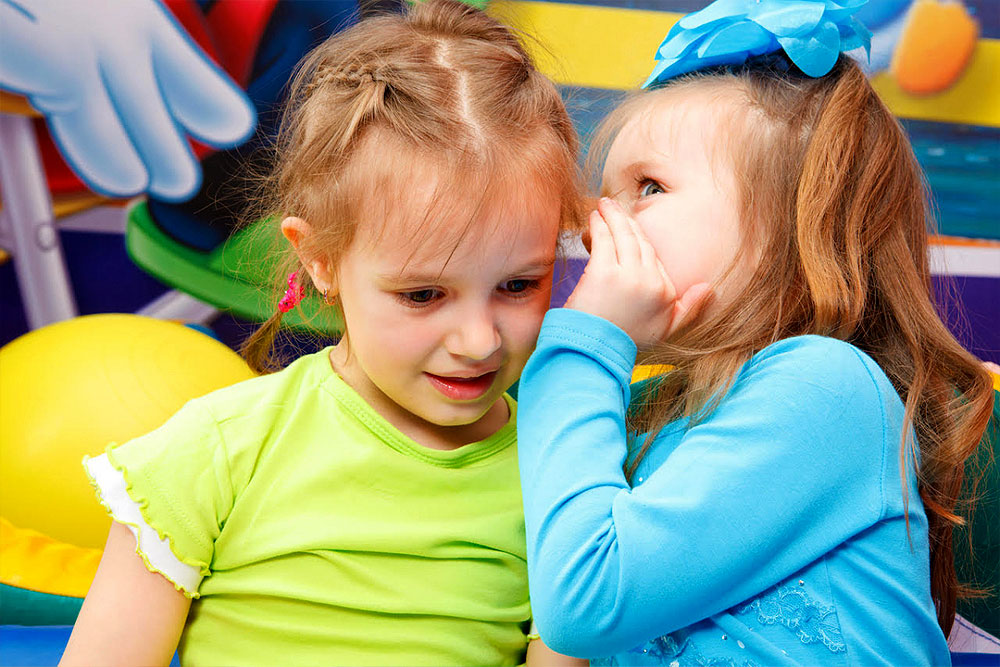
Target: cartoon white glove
{"points": [[120, 83]]}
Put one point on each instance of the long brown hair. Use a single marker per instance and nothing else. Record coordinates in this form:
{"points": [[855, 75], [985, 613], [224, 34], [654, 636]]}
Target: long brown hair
{"points": [[834, 203], [443, 87]]}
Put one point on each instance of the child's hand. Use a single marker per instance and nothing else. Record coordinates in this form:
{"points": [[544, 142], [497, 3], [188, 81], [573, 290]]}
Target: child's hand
{"points": [[626, 284]]}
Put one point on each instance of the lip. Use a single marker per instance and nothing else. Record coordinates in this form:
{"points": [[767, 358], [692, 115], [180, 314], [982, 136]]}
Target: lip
{"points": [[459, 388]]}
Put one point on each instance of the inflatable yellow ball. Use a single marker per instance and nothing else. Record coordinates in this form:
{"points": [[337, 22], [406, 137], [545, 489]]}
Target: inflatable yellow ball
{"points": [[71, 388]]}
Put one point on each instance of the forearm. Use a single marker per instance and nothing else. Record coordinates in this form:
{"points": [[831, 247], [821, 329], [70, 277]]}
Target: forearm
{"points": [[572, 446]]}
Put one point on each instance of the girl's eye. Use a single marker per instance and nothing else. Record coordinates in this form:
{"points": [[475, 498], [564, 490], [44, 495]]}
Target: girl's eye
{"points": [[519, 286], [650, 187], [419, 297]]}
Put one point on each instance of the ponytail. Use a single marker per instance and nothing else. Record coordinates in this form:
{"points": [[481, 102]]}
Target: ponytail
{"points": [[258, 349]]}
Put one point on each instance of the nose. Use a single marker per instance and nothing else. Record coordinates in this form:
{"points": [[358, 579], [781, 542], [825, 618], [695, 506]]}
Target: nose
{"points": [[474, 334]]}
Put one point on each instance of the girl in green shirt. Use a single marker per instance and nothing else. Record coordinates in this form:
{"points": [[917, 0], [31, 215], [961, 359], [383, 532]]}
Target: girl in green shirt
{"points": [[362, 505]]}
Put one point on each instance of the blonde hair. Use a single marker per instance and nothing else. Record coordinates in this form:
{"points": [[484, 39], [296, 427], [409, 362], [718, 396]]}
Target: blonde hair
{"points": [[443, 87], [833, 200]]}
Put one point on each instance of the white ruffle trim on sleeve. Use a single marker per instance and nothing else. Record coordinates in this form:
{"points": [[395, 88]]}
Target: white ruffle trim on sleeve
{"points": [[124, 510]]}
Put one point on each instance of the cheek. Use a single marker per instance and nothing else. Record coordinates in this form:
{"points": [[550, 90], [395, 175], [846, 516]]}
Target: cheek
{"points": [[681, 250], [408, 336], [521, 326], [384, 330], [695, 243]]}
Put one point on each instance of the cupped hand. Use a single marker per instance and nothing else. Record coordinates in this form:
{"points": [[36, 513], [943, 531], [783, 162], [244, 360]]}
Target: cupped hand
{"points": [[625, 283]]}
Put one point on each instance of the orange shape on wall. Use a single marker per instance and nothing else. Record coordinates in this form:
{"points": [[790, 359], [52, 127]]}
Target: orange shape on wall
{"points": [[935, 47]]}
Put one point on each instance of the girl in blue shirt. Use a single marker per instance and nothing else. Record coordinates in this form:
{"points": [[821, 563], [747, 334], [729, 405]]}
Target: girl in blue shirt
{"points": [[786, 494]]}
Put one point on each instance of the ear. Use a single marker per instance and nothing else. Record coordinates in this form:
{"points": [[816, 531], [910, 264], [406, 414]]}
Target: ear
{"points": [[299, 234]]}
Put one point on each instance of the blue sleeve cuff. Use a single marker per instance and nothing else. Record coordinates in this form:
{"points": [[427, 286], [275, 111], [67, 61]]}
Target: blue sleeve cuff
{"points": [[592, 335]]}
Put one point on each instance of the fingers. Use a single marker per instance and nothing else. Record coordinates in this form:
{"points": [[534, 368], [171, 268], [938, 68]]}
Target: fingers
{"points": [[602, 246], [622, 232], [626, 283], [634, 248], [98, 149], [121, 85], [634, 251], [23, 69], [174, 172], [200, 96]]}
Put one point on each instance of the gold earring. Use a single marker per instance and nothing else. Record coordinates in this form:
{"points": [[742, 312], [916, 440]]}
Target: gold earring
{"points": [[326, 297]]}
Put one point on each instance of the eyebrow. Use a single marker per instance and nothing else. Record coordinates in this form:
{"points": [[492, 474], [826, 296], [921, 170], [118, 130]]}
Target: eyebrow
{"points": [[631, 171], [640, 167], [428, 278], [542, 264]]}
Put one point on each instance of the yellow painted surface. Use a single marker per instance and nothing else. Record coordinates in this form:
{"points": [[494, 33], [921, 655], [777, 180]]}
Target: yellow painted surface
{"points": [[594, 47], [604, 47], [644, 372], [37, 562], [974, 99]]}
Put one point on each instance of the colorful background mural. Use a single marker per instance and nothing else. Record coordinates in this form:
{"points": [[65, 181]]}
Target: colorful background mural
{"points": [[934, 62], [105, 211]]}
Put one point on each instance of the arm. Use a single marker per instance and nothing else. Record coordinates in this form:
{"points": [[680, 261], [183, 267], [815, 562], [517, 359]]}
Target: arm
{"points": [[790, 465], [787, 467], [131, 616]]}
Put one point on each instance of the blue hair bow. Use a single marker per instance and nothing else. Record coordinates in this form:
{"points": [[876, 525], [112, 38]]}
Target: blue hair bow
{"points": [[812, 34]]}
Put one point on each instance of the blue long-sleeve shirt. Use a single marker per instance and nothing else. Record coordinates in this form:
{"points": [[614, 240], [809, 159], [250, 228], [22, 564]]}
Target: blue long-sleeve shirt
{"points": [[773, 532]]}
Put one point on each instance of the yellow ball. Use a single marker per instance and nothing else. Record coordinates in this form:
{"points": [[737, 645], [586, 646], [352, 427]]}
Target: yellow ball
{"points": [[71, 388]]}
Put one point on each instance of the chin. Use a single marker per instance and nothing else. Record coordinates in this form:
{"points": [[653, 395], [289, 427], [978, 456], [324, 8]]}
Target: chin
{"points": [[463, 417]]}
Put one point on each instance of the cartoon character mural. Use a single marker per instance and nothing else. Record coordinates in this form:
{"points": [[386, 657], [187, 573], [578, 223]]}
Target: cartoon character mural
{"points": [[137, 97], [121, 86]]}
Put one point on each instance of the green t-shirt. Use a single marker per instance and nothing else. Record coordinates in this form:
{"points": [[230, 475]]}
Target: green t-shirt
{"points": [[327, 537]]}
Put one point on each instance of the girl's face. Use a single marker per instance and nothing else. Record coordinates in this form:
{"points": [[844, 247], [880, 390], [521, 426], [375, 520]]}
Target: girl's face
{"points": [[438, 330], [668, 169]]}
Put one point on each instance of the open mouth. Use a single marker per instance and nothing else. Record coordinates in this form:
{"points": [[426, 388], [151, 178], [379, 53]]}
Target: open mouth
{"points": [[462, 388]]}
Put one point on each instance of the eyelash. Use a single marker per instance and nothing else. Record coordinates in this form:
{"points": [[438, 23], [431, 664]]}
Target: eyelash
{"points": [[643, 181], [531, 285], [409, 298], [425, 297]]}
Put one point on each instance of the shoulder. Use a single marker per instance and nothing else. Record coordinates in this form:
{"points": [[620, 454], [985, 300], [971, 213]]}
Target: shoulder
{"points": [[815, 352], [819, 365], [814, 408], [823, 388], [267, 396], [234, 427], [243, 419]]}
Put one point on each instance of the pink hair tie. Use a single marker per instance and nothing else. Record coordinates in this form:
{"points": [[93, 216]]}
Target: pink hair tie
{"points": [[293, 294]]}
